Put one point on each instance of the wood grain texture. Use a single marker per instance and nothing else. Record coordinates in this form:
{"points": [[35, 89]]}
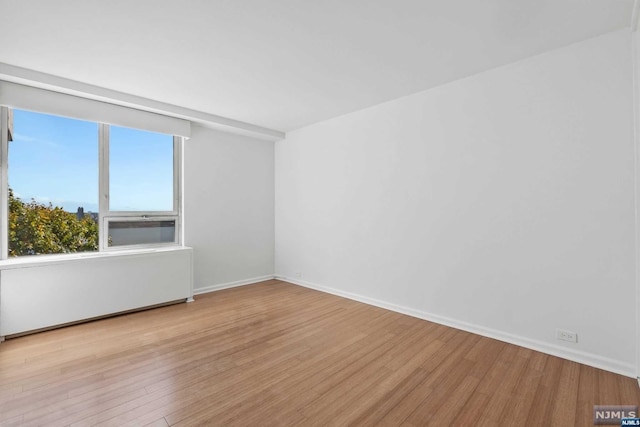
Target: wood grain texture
{"points": [[274, 353]]}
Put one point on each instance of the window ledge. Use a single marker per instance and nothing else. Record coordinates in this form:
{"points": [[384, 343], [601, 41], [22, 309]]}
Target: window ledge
{"points": [[38, 260]]}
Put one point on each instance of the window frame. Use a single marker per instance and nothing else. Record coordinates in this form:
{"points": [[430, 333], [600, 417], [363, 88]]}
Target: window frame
{"points": [[107, 215], [4, 182], [104, 214]]}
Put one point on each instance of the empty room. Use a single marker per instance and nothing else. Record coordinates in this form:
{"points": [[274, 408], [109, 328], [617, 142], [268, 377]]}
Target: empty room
{"points": [[261, 213]]}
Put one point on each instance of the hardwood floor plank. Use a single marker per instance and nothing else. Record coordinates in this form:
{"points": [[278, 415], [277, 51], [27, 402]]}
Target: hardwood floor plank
{"points": [[566, 402], [587, 395], [546, 392], [161, 422], [438, 367], [380, 407], [11, 422], [524, 391], [474, 407], [505, 375]]}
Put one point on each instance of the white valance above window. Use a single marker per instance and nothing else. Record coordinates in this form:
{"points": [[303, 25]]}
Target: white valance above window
{"points": [[45, 101]]}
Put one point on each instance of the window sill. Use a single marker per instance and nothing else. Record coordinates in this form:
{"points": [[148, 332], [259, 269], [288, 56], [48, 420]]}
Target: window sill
{"points": [[39, 260]]}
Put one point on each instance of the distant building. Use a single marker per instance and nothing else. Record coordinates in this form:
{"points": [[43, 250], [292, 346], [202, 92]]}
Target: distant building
{"points": [[81, 214]]}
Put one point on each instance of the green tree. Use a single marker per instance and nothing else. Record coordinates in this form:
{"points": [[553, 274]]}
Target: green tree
{"points": [[35, 228]]}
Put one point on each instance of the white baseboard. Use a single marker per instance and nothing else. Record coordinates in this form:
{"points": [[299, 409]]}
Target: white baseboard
{"points": [[218, 287], [596, 361]]}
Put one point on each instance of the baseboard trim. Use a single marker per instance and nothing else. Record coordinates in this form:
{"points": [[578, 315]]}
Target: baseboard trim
{"points": [[599, 362], [218, 287]]}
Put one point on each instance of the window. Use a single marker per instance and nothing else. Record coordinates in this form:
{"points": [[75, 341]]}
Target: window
{"points": [[140, 188], [76, 186], [53, 185]]}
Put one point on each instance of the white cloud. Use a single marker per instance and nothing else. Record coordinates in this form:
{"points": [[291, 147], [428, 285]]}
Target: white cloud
{"points": [[23, 138], [46, 200], [18, 137]]}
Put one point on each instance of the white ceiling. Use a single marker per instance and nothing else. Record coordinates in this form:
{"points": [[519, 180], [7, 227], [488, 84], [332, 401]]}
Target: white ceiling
{"points": [[284, 64]]}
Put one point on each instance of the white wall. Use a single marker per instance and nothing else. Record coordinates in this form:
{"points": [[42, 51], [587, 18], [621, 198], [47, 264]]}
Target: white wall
{"points": [[502, 203], [636, 116], [228, 208]]}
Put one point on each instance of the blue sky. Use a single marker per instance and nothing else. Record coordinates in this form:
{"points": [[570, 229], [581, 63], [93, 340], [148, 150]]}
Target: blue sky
{"points": [[55, 159]]}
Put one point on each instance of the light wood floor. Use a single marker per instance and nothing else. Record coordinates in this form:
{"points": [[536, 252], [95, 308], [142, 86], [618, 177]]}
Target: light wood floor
{"points": [[278, 354]]}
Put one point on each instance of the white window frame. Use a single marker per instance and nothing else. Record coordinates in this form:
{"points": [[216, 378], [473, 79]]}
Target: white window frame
{"points": [[105, 215], [4, 182]]}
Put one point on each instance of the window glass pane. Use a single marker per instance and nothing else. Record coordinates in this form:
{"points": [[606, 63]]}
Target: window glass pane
{"points": [[140, 170], [53, 185], [125, 233]]}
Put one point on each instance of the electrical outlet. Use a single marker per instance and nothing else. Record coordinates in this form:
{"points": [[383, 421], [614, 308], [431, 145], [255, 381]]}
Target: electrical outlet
{"points": [[564, 335]]}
